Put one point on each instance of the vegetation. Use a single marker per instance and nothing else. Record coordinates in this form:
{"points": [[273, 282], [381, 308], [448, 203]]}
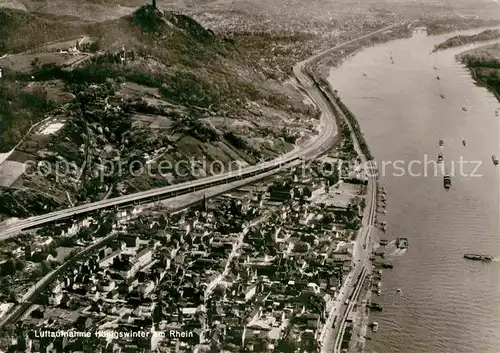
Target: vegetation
{"points": [[462, 39], [20, 108], [22, 30], [485, 66], [441, 25], [491, 79]]}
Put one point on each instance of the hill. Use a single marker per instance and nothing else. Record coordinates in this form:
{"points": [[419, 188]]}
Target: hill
{"points": [[150, 87], [21, 30]]}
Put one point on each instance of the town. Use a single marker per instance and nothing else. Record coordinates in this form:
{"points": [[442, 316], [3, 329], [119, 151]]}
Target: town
{"points": [[258, 268]]}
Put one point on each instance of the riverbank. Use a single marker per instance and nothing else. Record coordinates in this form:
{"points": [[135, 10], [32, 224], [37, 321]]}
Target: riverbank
{"points": [[359, 328], [484, 66], [321, 69], [405, 121], [345, 326]]}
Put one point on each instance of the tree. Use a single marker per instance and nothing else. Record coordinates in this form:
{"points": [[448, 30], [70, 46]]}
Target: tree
{"points": [[19, 265], [46, 267], [8, 268], [35, 64], [286, 346]]}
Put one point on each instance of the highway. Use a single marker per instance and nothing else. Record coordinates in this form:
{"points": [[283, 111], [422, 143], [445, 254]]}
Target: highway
{"points": [[361, 250], [313, 149], [322, 142]]}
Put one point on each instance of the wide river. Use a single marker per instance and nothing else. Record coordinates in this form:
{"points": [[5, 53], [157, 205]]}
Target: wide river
{"points": [[447, 304]]}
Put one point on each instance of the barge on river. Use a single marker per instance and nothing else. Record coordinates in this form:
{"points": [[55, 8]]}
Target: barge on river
{"points": [[478, 257]]}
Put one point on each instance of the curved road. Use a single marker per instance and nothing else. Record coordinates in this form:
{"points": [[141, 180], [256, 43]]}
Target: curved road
{"points": [[312, 150], [322, 142]]}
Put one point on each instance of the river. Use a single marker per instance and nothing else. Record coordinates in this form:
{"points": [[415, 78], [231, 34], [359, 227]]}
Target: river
{"points": [[447, 304]]}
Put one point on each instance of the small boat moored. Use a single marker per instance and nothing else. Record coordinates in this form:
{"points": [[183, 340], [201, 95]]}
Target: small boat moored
{"points": [[494, 159], [441, 142], [375, 326], [402, 243], [398, 290], [440, 157], [464, 109], [464, 143], [375, 307]]}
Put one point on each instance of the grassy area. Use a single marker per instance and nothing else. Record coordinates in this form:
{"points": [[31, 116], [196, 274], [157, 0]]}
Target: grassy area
{"points": [[22, 30], [20, 108]]}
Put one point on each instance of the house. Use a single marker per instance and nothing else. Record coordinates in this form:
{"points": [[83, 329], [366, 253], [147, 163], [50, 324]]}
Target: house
{"points": [[108, 260], [146, 288], [280, 192], [55, 299]]}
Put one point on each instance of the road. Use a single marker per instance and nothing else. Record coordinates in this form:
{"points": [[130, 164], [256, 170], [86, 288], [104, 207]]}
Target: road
{"points": [[19, 309], [312, 150], [361, 262], [361, 255], [322, 142], [361, 249]]}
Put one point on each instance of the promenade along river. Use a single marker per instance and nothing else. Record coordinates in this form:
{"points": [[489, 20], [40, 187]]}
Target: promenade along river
{"points": [[447, 304]]}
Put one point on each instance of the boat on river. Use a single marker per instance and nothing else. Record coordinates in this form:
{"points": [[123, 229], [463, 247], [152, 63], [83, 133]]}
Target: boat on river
{"points": [[478, 257], [440, 157], [494, 159], [447, 181]]}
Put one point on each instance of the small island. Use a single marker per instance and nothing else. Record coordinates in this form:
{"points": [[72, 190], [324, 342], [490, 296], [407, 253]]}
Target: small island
{"points": [[456, 41]]}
